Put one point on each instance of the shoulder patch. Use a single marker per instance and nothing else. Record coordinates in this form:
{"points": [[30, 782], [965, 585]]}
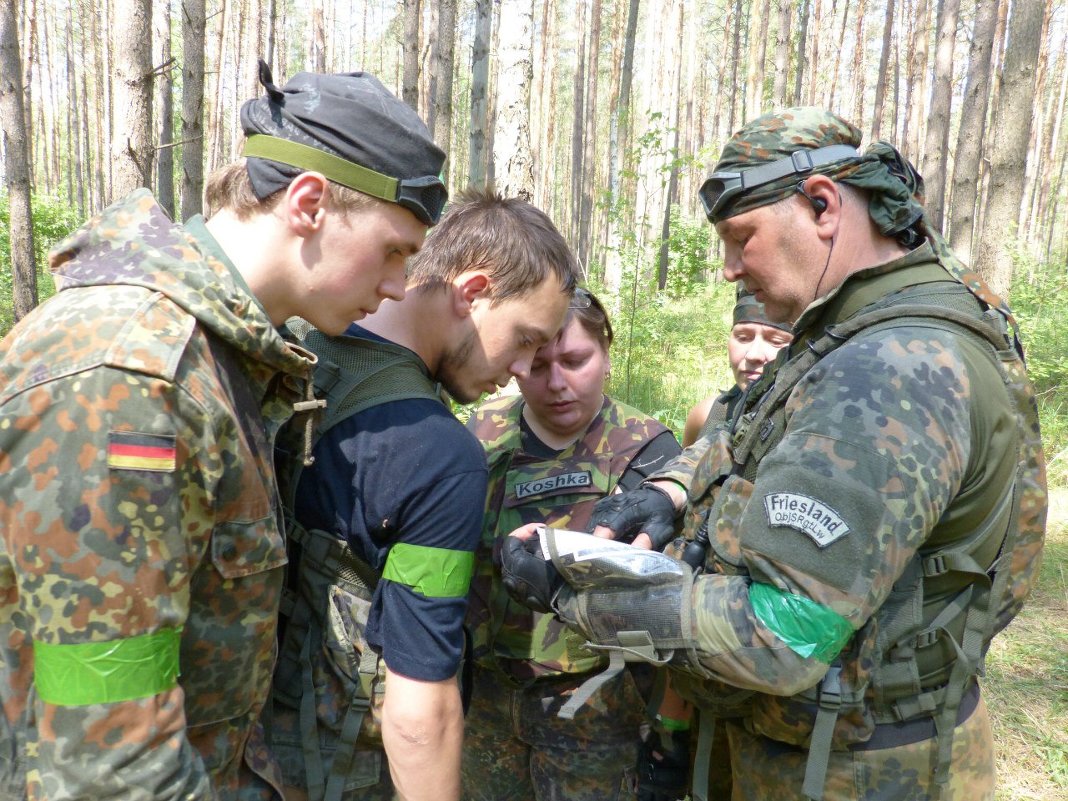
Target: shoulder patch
{"points": [[821, 523], [130, 450], [540, 486]]}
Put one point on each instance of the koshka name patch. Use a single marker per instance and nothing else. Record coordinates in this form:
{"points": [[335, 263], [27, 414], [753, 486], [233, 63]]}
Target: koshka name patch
{"points": [[539, 486], [816, 519]]}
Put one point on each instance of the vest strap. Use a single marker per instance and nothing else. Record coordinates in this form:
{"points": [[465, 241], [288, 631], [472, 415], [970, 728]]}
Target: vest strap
{"points": [[819, 749]]}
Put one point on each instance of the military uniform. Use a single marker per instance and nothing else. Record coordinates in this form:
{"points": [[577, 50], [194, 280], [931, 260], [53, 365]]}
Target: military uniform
{"points": [[141, 558], [528, 664], [875, 508]]}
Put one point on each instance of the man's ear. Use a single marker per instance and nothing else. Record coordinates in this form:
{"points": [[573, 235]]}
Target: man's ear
{"points": [[304, 203], [821, 191], [469, 287]]}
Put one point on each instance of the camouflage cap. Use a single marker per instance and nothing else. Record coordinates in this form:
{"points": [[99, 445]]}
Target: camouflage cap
{"points": [[894, 186], [350, 128], [748, 309]]}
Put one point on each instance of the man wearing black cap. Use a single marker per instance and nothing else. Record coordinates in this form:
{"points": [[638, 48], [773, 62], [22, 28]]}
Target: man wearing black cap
{"points": [[140, 553], [864, 523]]}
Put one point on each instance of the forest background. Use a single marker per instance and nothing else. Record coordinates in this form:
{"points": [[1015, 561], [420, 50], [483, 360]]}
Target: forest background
{"points": [[608, 114]]}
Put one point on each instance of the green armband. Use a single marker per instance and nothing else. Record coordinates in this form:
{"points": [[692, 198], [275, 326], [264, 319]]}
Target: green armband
{"points": [[434, 572], [672, 724], [107, 672], [810, 629]]}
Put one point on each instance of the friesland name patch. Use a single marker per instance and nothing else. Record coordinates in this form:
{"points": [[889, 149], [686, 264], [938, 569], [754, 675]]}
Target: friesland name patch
{"points": [[563, 481], [811, 517]]}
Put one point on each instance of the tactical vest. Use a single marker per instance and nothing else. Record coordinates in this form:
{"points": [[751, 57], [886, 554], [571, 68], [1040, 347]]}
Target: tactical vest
{"points": [[926, 644], [559, 491], [325, 670]]}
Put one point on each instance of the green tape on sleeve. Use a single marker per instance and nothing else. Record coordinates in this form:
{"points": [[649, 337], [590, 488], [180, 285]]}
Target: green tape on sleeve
{"points": [[107, 672], [434, 572], [810, 629]]}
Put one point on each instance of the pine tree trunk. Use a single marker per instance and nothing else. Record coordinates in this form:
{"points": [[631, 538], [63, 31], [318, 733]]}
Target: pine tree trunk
{"points": [[675, 60], [444, 47], [802, 36], [858, 67], [513, 168], [880, 80], [131, 150], [477, 143], [621, 152], [782, 53], [937, 140], [193, 29], [578, 114], [758, 51], [829, 100], [915, 85], [16, 149], [1009, 150], [814, 59], [588, 176], [410, 87], [1029, 216], [1056, 117], [165, 159], [972, 131]]}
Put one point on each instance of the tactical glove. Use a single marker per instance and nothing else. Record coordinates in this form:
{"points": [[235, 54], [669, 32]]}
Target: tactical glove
{"points": [[664, 765], [647, 508], [529, 578]]}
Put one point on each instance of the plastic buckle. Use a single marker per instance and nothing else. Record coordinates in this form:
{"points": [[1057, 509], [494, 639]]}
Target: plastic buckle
{"points": [[831, 688], [934, 566], [802, 161]]}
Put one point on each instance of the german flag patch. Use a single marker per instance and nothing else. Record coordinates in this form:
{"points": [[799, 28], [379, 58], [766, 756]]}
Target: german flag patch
{"points": [[128, 450]]}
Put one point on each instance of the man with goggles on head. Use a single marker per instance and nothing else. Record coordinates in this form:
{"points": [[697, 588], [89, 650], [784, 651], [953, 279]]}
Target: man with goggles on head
{"points": [[863, 522]]}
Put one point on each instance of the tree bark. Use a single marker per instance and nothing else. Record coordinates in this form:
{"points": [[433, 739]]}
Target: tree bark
{"points": [[1056, 118], [758, 51], [671, 197], [588, 176], [513, 168], [1029, 212], [193, 27], [16, 149], [1010, 145], [444, 48], [916, 84], [479, 147], [839, 48], [165, 159], [935, 153], [802, 37], [782, 53], [131, 149], [858, 67], [880, 79], [412, 18], [972, 131], [577, 128]]}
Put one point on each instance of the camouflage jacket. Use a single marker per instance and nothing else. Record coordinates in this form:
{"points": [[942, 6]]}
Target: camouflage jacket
{"points": [[904, 441], [559, 492], [141, 556]]}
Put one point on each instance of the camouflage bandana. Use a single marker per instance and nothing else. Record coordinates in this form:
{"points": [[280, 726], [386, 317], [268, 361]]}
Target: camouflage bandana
{"points": [[893, 184], [750, 310]]}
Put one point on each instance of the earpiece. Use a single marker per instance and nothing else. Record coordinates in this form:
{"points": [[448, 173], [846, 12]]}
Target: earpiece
{"points": [[819, 205]]}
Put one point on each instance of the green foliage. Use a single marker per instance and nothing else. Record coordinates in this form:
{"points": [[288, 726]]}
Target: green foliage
{"points": [[53, 219]]}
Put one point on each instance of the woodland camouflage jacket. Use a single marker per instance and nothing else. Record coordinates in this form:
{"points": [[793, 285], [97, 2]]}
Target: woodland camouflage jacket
{"points": [[140, 553], [560, 492]]}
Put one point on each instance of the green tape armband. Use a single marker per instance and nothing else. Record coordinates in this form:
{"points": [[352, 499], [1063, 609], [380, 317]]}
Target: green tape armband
{"points": [[346, 173], [107, 672], [673, 724], [810, 629], [434, 572]]}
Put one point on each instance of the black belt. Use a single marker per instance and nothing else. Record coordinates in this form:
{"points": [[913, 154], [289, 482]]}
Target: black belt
{"points": [[890, 735]]}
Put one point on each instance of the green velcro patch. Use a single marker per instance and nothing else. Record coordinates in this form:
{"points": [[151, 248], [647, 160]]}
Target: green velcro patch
{"points": [[107, 672], [434, 572], [810, 629]]}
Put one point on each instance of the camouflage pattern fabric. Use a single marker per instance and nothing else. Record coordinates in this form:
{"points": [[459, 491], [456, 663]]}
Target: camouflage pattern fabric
{"points": [[529, 664], [559, 492], [517, 749], [137, 505]]}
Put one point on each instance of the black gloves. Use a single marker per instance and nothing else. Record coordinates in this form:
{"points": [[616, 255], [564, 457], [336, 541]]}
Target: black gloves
{"points": [[647, 508], [529, 579], [664, 765]]}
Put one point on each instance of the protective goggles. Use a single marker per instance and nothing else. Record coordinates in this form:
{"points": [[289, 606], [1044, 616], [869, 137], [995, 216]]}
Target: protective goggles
{"points": [[723, 188], [424, 197]]}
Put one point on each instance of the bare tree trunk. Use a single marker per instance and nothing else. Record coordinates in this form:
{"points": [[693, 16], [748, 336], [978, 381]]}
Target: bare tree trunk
{"points": [[858, 67], [479, 91], [915, 84], [880, 80], [193, 27], [829, 100], [513, 167], [578, 114], [937, 141], [444, 48], [782, 52], [544, 144], [588, 176], [972, 131], [76, 164], [758, 51], [1010, 145], [131, 150], [412, 18], [1028, 215], [802, 36], [736, 54], [16, 149], [675, 49], [814, 61], [1056, 117], [165, 161], [725, 53]]}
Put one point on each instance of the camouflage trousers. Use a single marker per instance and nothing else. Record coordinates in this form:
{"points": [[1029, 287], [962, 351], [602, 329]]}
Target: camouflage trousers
{"points": [[768, 770], [517, 749]]}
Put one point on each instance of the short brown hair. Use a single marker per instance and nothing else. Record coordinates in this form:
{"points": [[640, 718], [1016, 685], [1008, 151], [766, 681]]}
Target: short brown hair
{"points": [[229, 188], [514, 242], [592, 317]]}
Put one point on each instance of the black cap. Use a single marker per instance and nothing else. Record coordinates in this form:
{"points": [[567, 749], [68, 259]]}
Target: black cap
{"points": [[350, 116]]}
